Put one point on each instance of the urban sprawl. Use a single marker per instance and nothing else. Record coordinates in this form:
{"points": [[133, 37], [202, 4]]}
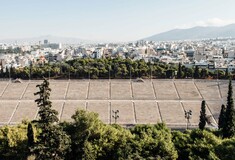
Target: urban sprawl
{"points": [[213, 54]]}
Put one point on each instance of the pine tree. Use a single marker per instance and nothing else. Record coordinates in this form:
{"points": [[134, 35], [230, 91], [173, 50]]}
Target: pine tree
{"points": [[53, 142], [179, 73], [229, 125], [202, 122], [222, 117], [46, 114]]}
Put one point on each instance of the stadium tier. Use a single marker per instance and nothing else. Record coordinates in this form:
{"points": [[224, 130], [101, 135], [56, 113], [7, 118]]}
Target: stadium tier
{"points": [[138, 102]]}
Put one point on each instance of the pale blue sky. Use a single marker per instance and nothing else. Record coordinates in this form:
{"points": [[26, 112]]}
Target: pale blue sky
{"points": [[114, 20]]}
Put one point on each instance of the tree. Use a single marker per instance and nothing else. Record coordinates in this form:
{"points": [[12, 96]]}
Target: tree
{"points": [[196, 72], [222, 117], [188, 72], [202, 122], [170, 73], [91, 139], [13, 142], [218, 74], [153, 142], [226, 149], [229, 125], [85, 125], [53, 143], [1, 72], [204, 73], [7, 73], [201, 145], [195, 144], [179, 73], [46, 114], [227, 75], [30, 135], [181, 142]]}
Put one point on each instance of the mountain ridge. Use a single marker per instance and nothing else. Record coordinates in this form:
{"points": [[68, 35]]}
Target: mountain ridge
{"points": [[197, 32], [50, 38], [194, 33]]}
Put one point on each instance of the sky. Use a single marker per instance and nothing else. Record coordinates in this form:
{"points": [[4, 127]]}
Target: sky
{"points": [[109, 20]]}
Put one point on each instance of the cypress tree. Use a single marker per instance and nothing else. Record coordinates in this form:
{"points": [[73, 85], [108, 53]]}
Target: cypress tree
{"points": [[30, 135], [227, 74], [179, 73], [196, 73], [7, 73], [30, 70], [222, 117], [2, 73], [229, 125], [202, 122], [12, 72]]}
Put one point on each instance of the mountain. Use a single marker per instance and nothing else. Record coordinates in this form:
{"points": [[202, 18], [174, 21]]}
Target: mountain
{"points": [[194, 33], [50, 38]]}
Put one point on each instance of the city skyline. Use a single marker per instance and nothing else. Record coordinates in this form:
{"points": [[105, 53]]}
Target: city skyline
{"points": [[116, 21]]}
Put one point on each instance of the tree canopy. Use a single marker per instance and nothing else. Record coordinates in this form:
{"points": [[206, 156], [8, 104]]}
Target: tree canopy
{"points": [[110, 68]]}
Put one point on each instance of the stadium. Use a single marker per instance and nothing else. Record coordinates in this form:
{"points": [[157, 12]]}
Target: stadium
{"points": [[137, 101]]}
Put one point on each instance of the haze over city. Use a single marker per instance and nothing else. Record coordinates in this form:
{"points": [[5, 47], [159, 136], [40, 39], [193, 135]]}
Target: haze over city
{"points": [[117, 21]]}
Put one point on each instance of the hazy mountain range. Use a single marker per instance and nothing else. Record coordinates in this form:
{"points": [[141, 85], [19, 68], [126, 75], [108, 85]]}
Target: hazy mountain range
{"points": [[195, 33], [175, 34], [50, 38]]}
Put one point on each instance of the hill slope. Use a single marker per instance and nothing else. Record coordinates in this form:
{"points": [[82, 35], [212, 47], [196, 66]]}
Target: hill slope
{"points": [[195, 33]]}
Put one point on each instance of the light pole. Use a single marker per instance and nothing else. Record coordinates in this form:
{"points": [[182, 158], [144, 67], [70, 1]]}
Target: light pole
{"points": [[115, 116], [188, 115]]}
